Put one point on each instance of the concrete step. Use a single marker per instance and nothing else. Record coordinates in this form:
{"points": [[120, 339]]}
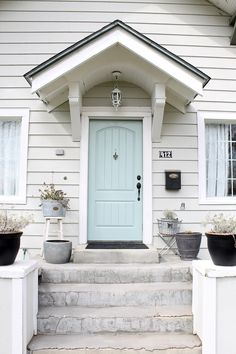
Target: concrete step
{"points": [[142, 343], [83, 255], [102, 295], [115, 273], [64, 320]]}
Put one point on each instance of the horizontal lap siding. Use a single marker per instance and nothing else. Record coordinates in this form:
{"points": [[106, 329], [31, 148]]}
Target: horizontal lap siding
{"points": [[33, 31]]}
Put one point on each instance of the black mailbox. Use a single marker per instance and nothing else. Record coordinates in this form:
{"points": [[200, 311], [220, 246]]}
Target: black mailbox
{"points": [[173, 180]]}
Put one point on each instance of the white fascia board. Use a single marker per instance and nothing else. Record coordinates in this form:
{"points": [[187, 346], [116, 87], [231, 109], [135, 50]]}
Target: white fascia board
{"points": [[133, 44], [72, 61], [161, 62]]}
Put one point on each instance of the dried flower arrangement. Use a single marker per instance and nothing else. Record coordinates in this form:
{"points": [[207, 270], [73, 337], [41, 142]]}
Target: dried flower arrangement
{"points": [[222, 224], [50, 192], [13, 223]]}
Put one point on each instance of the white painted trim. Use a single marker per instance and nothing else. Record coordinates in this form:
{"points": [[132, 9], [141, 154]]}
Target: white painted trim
{"points": [[23, 115], [17, 316], [215, 117], [158, 106], [133, 44], [75, 103], [110, 113]]}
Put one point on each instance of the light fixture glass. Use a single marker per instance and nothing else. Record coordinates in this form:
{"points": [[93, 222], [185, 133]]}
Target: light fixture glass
{"points": [[116, 96]]}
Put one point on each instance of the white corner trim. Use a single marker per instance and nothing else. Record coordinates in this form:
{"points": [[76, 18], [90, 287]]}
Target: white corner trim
{"points": [[109, 113], [158, 106], [23, 115], [75, 103]]}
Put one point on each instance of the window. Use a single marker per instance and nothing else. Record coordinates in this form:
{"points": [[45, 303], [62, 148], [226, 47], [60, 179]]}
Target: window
{"points": [[13, 155], [217, 158]]}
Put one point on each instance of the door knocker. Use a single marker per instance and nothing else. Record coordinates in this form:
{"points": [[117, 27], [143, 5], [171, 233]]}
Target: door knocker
{"points": [[115, 156]]}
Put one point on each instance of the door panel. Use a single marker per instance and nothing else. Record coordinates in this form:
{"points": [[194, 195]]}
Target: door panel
{"points": [[115, 161]]}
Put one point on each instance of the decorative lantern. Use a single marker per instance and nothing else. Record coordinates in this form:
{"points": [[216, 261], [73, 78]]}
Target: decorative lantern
{"points": [[116, 96]]}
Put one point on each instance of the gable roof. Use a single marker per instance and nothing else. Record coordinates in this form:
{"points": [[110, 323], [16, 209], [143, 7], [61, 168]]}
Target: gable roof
{"points": [[117, 46], [117, 23]]}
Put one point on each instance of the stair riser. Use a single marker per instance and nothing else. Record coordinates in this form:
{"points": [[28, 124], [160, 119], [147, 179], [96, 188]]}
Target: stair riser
{"points": [[119, 351], [70, 325], [116, 256], [118, 276], [104, 299]]}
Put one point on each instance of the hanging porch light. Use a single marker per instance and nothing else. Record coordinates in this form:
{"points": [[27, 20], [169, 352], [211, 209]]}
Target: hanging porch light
{"points": [[116, 96]]}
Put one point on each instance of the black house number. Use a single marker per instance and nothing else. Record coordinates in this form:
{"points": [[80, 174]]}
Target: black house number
{"points": [[165, 154]]}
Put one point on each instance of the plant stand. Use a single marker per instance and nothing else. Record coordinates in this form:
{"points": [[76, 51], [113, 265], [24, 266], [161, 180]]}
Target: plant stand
{"points": [[47, 227], [214, 310], [167, 231]]}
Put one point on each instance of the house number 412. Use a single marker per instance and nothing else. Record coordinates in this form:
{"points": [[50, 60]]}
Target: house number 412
{"points": [[165, 154]]}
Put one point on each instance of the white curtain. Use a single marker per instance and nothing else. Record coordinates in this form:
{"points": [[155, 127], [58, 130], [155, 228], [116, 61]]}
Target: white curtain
{"points": [[217, 136], [9, 157]]}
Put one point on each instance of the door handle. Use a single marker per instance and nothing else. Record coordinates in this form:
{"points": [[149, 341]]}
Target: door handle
{"points": [[138, 185]]}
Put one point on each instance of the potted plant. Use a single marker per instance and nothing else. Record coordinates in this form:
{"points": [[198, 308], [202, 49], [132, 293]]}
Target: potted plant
{"points": [[53, 201], [169, 224], [11, 227], [221, 240], [188, 244]]}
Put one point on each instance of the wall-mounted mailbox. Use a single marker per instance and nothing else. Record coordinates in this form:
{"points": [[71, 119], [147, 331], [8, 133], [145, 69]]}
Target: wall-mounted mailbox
{"points": [[173, 180]]}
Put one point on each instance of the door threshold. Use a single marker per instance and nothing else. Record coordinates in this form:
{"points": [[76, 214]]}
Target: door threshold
{"points": [[116, 245]]}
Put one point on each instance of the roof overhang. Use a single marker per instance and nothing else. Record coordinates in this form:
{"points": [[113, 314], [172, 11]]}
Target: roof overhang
{"points": [[69, 74]]}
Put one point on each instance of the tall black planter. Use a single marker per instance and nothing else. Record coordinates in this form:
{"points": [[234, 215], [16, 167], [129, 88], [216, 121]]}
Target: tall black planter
{"points": [[188, 244], [222, 249], [9, 247]]}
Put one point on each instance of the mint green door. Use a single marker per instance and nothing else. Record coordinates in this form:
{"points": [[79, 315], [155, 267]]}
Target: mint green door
{"points": [[115, 168]]}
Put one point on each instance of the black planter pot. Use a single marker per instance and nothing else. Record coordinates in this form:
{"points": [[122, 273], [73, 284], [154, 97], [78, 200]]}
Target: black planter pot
{"points": [[222, 249], [9, 247], [188, 244]]}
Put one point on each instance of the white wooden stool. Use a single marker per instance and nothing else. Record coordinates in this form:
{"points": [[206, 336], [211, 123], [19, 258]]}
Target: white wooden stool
{"points": [[47, 227]]}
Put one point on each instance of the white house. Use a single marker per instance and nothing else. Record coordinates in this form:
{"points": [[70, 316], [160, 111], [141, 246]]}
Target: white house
{"points": [[176, 72]]}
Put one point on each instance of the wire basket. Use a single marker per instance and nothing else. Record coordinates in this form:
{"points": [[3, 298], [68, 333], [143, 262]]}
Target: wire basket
{"points": [[168, 227]]}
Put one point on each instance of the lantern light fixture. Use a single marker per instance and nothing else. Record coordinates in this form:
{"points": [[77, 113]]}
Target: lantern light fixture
{"points": [[116, 96]]}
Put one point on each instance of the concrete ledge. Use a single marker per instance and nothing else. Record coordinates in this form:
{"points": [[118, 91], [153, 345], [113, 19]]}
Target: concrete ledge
{"points": [[83, 255]]}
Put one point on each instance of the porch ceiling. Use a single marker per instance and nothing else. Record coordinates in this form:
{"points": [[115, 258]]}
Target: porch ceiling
{"points": [[69, 74]]}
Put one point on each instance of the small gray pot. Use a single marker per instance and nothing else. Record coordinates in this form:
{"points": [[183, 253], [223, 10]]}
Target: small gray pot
{"points": [[53, 208], [57, 251]]}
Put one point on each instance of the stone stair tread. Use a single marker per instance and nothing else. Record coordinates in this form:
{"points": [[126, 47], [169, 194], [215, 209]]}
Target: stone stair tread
{"points": [[76, 266], [86, 287], [111, 312], [118, 341], [114, 273]]}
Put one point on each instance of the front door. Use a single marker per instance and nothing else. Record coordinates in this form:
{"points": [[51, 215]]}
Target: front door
{"points": [[115, 168]]}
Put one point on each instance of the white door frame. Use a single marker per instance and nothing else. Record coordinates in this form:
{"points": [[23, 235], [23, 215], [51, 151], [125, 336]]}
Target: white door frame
{"points": [[136, 113]]}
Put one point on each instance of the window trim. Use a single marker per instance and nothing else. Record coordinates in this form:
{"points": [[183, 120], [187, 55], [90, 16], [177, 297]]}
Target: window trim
{"points": [[203, 118], [23, 115]]}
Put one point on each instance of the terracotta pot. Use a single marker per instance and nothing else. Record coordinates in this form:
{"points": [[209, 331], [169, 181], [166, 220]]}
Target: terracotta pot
{"points": [[9, 247], [222, 249]]}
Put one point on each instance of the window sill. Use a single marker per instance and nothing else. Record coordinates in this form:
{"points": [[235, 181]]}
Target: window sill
{"points": [[218, 201], [12, 200]]}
